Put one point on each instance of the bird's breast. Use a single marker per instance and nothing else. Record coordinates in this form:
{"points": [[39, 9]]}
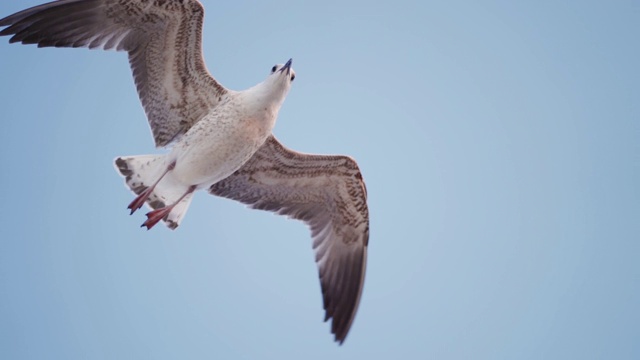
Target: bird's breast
{"points": [[218, 145]]}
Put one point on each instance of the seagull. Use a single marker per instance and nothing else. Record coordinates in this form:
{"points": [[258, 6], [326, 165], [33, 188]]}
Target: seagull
{"points": [[220, 140]]}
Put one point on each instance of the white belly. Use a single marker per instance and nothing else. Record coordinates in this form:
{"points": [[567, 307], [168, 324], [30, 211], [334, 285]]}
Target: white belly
{"points": [[214, 148]]}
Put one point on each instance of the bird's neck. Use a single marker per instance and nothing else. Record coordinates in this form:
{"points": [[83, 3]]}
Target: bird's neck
{"points": [[265, 98]]}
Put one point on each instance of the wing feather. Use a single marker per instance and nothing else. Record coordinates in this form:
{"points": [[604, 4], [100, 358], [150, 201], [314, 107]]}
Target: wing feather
{"points": [[329, 195], [164, 42]]}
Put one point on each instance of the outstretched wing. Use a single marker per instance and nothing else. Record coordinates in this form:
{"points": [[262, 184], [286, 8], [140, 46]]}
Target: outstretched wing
{"points": [[329, 195], [164, 42]]}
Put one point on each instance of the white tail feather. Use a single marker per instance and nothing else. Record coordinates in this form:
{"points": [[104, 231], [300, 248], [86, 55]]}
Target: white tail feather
{"points": [[142, 171]]}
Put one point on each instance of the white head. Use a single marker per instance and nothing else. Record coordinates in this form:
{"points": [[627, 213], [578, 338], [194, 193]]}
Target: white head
{"points": [[283, 71], [276, 86]]}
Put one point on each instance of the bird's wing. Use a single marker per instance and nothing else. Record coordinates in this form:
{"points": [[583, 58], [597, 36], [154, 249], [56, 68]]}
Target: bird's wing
{"points": [[329, 195], [164, 42]]}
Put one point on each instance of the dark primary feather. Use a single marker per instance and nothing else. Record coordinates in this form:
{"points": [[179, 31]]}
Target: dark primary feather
{"points": [[329, 195], [163, 40]]}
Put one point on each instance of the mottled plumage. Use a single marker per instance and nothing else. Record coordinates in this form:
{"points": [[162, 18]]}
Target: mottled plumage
{"points": [[164, 42], [329, 195], [222, 139]]}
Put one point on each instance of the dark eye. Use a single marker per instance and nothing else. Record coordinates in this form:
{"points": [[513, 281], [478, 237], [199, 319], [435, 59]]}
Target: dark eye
{"points": [[293, 76], [274, 68]]}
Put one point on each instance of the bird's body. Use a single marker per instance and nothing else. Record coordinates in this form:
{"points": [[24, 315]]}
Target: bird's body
{"points": [[221, 140], [211, 150], [215, 147], [226, 138]]}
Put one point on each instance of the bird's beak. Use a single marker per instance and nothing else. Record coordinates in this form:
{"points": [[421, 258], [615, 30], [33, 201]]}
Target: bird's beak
{"points": [[287, 67]]}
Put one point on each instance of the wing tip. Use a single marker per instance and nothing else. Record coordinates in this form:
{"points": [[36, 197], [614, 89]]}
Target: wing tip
{"points": [[342, 321]]}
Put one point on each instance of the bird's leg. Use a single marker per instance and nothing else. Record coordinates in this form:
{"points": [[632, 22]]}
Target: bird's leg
{"points": [[140, 199], [154, 216]]}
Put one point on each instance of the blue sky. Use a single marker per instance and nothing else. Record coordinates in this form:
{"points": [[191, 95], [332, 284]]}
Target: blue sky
{"points": [[499, 142]]}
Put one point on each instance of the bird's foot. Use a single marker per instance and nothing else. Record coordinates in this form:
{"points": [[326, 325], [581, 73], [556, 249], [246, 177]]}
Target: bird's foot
{"points": [[139, 200], [153, 217]]}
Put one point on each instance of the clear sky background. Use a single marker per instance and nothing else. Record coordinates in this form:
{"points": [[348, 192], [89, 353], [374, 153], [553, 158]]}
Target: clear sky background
{"points": [[500, 144]]}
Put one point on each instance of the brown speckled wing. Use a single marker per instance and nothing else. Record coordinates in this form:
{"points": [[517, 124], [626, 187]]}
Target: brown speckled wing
{"points": [[164, 42], [328, 194]]}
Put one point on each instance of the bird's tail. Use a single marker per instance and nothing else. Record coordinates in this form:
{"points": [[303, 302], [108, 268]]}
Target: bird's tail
{"points": [[142, 171]]}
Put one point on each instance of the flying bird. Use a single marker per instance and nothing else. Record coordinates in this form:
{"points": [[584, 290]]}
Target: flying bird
{"points": [[220, 140]]}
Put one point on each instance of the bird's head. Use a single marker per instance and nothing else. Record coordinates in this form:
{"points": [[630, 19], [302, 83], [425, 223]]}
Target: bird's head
{"points": [[270, 93], [283, 72], [280, 79]]}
